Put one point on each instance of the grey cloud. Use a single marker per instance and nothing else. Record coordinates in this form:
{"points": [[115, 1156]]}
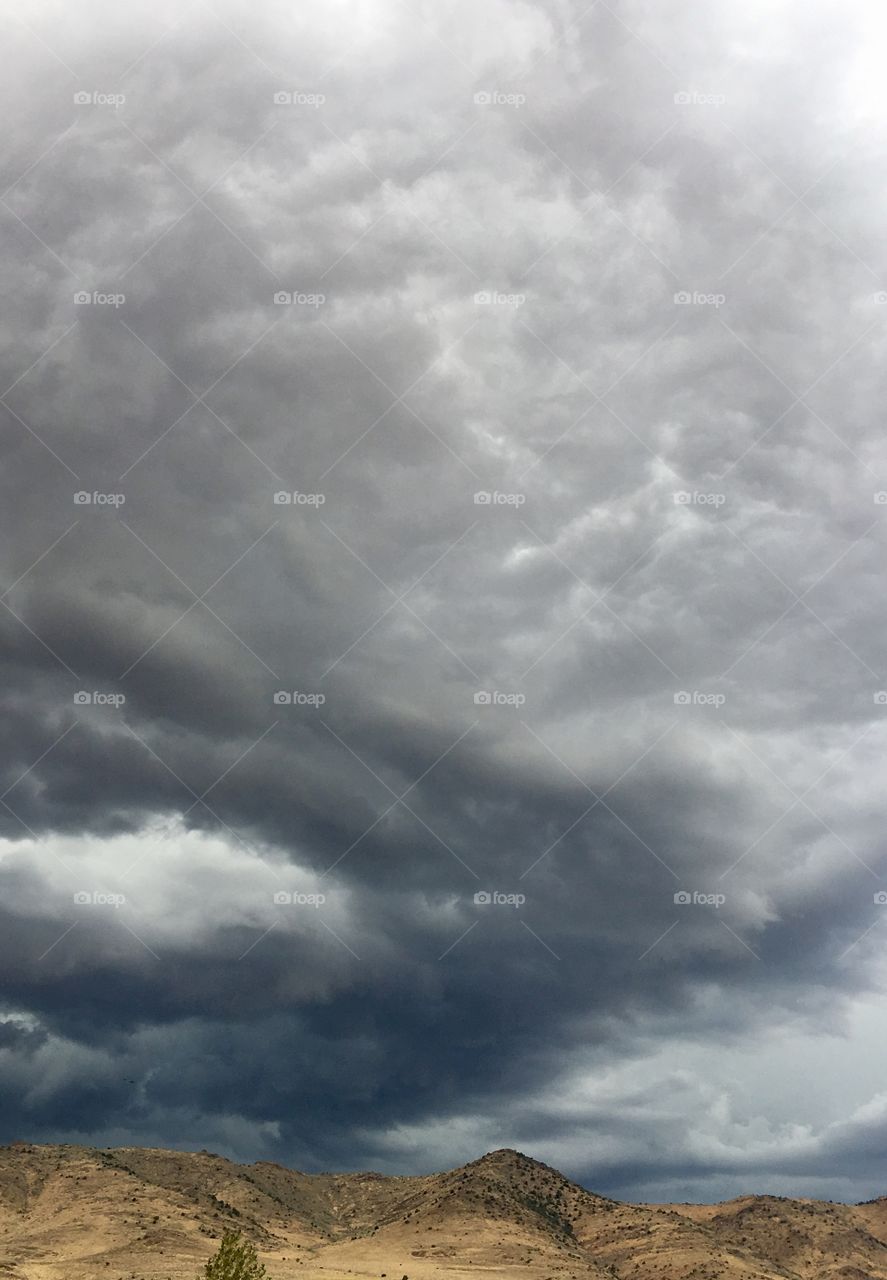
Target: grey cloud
{"points": [[666, 500]]}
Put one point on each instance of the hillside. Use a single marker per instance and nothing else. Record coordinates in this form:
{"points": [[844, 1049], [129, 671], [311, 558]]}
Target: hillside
{"points": [[78, 1213]]}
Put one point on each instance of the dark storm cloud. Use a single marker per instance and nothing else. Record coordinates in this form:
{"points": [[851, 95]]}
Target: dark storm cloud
{"points": [[673, 385]]}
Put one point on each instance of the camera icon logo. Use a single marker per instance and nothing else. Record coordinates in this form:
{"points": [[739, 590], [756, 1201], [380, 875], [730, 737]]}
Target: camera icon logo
{"points": [[683, 298], [82, 898], [881, 498], [483, 298], [483, 498], [283, 298], [283, 99], [82, 298], [880, 698], [682, 98], [82, 698], [683, 498], [881, 898], [682, 897], [282, 698], [283, 499], [282, 898], [482, 898], [482, 698], [483, 98], [82, 99], [881, 298], [82, 498], [682, 699]]}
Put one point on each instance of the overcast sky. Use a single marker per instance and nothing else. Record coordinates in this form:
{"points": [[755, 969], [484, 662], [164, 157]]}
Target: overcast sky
{"points": [[575, 602]]}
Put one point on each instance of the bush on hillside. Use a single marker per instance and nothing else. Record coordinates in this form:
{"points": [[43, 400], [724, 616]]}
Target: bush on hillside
{"points": [[235, 1259]]}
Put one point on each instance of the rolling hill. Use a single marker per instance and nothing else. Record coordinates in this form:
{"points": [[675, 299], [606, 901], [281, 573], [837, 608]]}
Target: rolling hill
{"points": [[131, 1213]]}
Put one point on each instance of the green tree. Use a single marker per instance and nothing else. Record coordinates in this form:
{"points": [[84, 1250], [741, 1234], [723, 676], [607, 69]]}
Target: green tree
{"points": [[235, 1259]]}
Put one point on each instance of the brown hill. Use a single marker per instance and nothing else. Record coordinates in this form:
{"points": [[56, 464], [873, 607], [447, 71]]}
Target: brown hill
{"points": [[78, 1213]]}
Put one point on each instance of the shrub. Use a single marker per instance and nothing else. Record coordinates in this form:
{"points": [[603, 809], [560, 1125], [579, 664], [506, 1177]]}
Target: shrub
{"points": [[235, 1259]]}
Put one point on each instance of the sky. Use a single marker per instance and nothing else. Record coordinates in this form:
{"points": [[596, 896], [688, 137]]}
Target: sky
{"points": [[444, 497]]}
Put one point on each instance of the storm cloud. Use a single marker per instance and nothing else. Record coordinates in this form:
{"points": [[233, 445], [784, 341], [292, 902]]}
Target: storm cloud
{"points": [[443, 547]]}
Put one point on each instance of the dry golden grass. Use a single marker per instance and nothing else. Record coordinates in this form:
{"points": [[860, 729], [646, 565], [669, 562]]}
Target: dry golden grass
{"points": [[75, 1213]]}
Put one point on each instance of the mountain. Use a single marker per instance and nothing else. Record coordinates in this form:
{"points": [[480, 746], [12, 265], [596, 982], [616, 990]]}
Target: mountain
{"points": [[133, 1213]]}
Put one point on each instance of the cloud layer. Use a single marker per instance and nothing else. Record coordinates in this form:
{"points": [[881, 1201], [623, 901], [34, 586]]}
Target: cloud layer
{"points": [[443, 611]]}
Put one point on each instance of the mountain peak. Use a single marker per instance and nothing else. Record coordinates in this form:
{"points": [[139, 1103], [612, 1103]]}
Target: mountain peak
{"points": [[75, 1213]]}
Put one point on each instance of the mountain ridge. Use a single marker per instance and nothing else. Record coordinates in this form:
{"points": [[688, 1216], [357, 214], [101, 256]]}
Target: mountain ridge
{"points": [[70, 1212]]}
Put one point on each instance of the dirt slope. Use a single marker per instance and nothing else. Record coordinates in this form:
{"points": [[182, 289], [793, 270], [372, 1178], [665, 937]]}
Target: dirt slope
{"points": [[79, 1213]]}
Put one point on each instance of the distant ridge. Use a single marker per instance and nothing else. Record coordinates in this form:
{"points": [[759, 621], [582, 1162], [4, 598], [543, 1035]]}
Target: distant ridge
{"points": [[141, 1213]]}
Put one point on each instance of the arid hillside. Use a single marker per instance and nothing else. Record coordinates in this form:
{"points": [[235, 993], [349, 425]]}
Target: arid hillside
{"points": [[79, 1213]]}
